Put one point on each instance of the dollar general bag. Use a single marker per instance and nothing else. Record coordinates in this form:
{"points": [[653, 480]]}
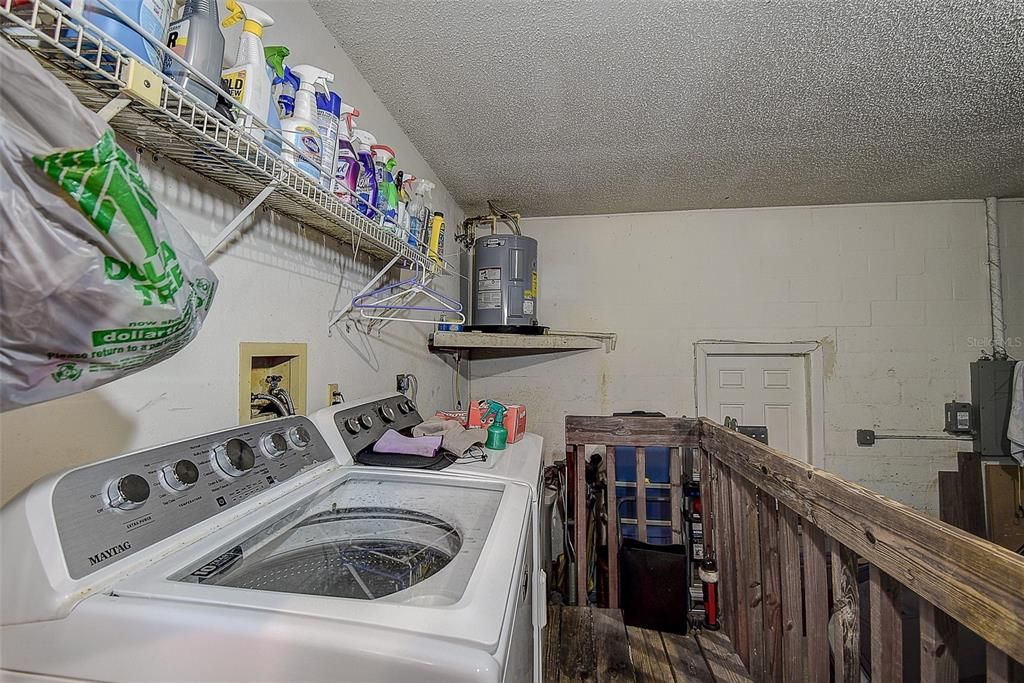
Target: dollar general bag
{"points": [[97, 280]]}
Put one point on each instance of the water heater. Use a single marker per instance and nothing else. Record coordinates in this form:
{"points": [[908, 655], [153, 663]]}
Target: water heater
{"points": [[505, 294]]}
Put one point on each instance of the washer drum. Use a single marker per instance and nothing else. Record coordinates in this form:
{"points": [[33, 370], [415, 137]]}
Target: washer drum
{"points": [[505, 294]]}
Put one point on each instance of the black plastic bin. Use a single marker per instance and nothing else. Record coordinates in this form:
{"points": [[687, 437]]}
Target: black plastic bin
{"points": [[654, 584]]}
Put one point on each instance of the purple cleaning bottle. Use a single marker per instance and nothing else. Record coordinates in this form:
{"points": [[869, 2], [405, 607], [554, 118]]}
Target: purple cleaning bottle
{"points": [[346, 168], [366, 187]]}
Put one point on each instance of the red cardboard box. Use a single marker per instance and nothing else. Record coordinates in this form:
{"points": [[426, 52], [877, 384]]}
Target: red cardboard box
{"points": [[515, 418]]}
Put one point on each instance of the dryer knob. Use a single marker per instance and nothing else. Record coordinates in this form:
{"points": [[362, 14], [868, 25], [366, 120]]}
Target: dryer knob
{"points": [[273, 445], [128, 492], [352, 425], [299, 436], [387, 413], [234, 457], [366, 421], [180, 475]]}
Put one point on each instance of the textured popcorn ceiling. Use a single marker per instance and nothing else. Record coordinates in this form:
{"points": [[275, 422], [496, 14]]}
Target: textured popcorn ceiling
{"points": [[602, 106]]}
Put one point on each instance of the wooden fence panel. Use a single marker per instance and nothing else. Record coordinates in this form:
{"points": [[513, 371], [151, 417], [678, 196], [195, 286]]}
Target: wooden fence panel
{"points": [[792, 596]]}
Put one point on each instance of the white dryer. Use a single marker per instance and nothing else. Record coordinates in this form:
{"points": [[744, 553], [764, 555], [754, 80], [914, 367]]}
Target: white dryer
{"points": [[352, 427], [252, 554]]}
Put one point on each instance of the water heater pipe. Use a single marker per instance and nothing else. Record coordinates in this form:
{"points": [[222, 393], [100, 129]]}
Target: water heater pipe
{"points": [[995, 280]]}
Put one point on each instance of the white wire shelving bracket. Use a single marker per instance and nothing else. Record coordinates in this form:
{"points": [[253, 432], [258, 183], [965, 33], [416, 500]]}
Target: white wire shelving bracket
{"points": [[160, 116]]}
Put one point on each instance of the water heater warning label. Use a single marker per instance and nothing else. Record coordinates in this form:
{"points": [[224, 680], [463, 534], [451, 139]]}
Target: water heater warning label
{"points": [[488, 300], [488, 279]]}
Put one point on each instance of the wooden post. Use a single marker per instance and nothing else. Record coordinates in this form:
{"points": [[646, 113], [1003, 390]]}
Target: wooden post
{"points": [[973, 495], [580, 530], [846, 608], [725, 548], [741, 550], [886, 628], [751, 571], [997, 665], [613, 528], [816, 593], [792, 596], [641, 494], [709, 502], [771, 586], [939, 645]]}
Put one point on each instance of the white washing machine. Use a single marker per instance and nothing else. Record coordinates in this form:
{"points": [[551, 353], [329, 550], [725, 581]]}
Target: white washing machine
{"points": [[252, 554], [352, 427]]}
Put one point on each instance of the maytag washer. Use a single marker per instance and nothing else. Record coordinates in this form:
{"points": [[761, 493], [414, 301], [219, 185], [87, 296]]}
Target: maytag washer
{"points": [[354, 426], [253, 554]]}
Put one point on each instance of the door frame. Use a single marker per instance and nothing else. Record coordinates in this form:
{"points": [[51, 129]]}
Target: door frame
{"points": [[814, 359]]}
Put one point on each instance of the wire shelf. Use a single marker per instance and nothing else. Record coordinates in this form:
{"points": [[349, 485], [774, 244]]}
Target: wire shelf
{"points": [[184, 129]]}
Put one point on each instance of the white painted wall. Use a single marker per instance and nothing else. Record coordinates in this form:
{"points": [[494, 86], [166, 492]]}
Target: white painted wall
{"points": [[896, 292], [277, 283]]}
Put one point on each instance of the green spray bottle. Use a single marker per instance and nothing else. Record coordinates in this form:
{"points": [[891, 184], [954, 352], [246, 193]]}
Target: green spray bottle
{"points": [[497, 435]]}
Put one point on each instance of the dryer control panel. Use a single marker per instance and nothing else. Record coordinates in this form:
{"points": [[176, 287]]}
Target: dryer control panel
{"points": [[117, 507], [362, 425]]}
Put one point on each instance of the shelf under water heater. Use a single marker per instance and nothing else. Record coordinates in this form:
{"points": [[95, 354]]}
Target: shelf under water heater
{"points": [[505, 293]]}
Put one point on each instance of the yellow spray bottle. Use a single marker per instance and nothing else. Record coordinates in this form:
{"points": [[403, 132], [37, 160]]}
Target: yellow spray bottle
{"points": [[247, 81]]}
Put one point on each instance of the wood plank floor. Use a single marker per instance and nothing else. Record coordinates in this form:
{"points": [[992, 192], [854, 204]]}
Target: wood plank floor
{"points": [[592, 644]]}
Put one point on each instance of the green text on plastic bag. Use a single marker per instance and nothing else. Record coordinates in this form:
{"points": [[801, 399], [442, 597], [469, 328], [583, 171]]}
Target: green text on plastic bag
{"points": [[108, 187]]}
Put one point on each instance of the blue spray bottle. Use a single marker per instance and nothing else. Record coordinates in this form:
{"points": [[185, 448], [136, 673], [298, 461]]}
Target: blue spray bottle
{"points": [[367, 191]]}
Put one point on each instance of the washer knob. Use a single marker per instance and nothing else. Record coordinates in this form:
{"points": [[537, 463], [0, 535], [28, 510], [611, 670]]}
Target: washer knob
{"points": [[273, 444], [352, 425], [404, 409], [234, 457], [180, 475], [410, 405], [128, 492], [387, 413], [299, 436], [365, 420]]}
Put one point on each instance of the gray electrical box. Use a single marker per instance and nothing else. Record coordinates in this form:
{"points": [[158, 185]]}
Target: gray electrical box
{"points": [[991, 383]]}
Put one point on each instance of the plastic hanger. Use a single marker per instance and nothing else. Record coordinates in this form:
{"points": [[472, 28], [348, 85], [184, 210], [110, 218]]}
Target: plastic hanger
{"points": [[399, 294]]}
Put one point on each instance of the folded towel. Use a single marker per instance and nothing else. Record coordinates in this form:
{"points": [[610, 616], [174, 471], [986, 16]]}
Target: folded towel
{"points": [[393, 442], [456, 438], [1015, 429]]}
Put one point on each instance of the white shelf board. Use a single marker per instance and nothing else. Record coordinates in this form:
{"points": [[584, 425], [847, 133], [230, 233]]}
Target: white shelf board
{"points": [[525, 342]]}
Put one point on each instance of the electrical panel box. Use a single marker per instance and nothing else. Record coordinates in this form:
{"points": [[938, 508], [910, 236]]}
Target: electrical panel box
{"points": [[991, 384], [959, 418]]}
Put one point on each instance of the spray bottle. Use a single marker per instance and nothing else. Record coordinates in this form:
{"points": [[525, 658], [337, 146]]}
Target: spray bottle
{"points": [[328, 121], [366, 187], [282, 93], [419, 211], [275, 70], [346, 164], [197, 39], [497, 435], [384, 163], [247, 80], [300, 128]]}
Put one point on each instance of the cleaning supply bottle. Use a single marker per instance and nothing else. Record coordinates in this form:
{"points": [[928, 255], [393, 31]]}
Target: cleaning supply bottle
{"points": [[247, 80], [197, 39], [435, 246], [328, 118], [275, 55], [497, 435], [419, 212], [387, 194], [300, 128], [152, 16], [282, 92], [346, 164], [366, 187]]}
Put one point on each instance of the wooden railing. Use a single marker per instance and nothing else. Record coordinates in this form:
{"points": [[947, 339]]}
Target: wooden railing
{"points": [[788, 539]]}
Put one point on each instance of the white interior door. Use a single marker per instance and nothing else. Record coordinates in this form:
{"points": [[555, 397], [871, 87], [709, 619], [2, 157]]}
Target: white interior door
{"points": [[762, 389]]}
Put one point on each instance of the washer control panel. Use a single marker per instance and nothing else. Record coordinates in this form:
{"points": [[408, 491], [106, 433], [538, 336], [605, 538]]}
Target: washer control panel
{"points": [[361, 426], [114, 508]]}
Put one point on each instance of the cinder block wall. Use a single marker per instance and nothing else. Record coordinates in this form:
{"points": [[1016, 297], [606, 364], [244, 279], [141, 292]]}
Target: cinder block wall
{"points": [[897, 294]]}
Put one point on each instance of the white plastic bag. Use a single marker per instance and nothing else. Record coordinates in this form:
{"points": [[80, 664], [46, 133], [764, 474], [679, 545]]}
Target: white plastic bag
{"points": [[97, 280]]}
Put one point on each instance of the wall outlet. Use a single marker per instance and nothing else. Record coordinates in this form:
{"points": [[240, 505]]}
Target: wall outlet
{"points": [[402, 383]]}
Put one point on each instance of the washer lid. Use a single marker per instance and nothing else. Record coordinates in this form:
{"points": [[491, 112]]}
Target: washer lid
{"points": [[362, 539]]}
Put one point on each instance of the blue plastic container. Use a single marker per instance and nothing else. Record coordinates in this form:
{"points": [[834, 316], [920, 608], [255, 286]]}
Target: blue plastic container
{"points": [[152, 15]]}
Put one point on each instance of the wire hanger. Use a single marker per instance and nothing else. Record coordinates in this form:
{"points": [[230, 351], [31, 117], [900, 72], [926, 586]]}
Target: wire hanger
{"points": [[399, 297]]}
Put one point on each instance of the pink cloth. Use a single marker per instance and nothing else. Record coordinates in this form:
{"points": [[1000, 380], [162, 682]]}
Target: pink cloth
{"points": [[393, 442]]}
